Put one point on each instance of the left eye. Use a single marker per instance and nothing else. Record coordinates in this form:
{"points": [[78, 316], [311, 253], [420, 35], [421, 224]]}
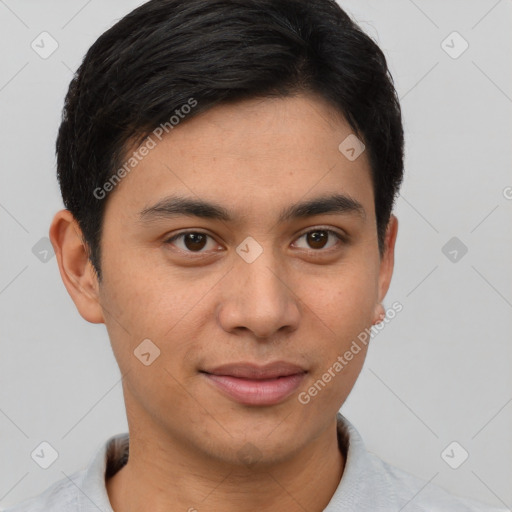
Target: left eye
{"points": [[196, 241], [317, 238]]}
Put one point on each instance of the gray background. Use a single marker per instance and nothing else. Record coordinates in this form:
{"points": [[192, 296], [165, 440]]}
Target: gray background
{"points": [[439, 372]]}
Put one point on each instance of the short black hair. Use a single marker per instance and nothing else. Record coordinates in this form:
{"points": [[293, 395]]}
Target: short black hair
{"points": [[164, 53]]}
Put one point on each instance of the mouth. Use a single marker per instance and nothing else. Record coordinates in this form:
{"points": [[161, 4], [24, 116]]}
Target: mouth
{"points": [[250, 384]]}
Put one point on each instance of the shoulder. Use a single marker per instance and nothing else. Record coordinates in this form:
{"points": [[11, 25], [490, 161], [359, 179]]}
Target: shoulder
{"points": [[60, 496], [84, 489], [374, 485], [417, 495]]}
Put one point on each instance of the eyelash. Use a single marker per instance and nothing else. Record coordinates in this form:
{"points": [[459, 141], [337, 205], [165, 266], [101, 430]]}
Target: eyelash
{"points": [[342, 239]]}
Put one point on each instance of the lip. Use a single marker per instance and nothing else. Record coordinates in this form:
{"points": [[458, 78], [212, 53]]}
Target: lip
{"points": [[251, 384]]}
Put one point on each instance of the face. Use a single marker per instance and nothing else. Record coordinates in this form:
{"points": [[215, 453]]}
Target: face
{"points": [[238, 281]]}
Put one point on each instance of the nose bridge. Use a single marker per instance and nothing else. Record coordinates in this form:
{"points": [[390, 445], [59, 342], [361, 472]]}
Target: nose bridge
{"points": [[262, 279], [257, 295]]}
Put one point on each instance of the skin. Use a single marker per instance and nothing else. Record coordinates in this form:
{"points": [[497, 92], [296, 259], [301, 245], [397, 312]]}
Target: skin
{"points": [[298, 302]]}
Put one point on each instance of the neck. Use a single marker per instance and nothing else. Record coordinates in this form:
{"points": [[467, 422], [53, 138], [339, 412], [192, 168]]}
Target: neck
{"points": [[171, 477]]}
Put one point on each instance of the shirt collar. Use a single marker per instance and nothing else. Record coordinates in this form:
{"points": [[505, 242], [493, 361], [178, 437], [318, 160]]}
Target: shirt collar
{"points": [[361, 487], [108, 459], [364, 486]]}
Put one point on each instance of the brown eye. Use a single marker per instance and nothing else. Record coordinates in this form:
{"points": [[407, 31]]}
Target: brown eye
{"points": [[317, 239], [191, 241], [194, 241]]}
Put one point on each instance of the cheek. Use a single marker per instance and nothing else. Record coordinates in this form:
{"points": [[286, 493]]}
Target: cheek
{"points": [[163, 305], [343, 302], [342, 310], [135, 290]]}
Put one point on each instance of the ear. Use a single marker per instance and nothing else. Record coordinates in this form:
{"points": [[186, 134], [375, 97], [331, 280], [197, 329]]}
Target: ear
{"points": [[76, 271], [387, 263]]}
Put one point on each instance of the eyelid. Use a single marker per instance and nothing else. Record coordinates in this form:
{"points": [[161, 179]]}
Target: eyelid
{"points": [[341, 235]]}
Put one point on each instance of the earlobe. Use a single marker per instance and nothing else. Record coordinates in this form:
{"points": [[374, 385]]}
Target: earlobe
{"points": [[379, 315], [77, 272]]}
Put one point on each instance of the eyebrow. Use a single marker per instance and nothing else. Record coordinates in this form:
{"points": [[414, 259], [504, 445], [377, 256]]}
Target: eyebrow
{"points": [[174, 206]]}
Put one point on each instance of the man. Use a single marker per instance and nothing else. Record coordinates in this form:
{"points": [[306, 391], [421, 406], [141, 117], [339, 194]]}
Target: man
{"points": [[229, 169]]}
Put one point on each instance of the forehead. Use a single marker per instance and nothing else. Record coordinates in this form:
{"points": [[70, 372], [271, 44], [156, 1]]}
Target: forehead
{"points": [[253, 155]]}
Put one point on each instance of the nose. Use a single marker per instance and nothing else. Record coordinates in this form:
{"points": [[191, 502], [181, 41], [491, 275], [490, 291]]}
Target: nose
{"points": [[259, 297]]}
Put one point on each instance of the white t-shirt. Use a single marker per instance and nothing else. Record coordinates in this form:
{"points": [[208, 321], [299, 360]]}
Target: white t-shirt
{"points": [[368, 484]]}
